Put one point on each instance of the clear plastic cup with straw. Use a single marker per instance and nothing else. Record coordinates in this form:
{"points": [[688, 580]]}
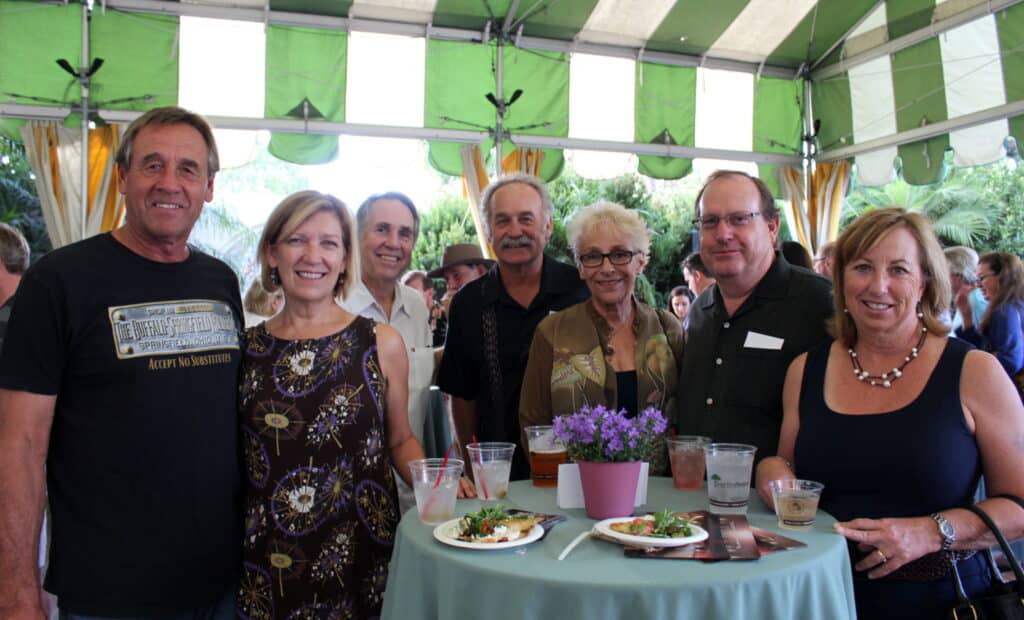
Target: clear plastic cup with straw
{"points": [[492, 463], [436, 485]]}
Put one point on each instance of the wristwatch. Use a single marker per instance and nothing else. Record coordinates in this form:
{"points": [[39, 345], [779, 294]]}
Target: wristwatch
{"points": [[946, 530]]}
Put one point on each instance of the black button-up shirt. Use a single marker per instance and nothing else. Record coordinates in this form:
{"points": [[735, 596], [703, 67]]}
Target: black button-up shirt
{"points": [[463, 372], [730, 386]]}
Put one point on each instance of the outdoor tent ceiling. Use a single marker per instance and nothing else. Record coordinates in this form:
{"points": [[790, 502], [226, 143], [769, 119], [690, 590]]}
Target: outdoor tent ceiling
{"points": [[867, 78]]}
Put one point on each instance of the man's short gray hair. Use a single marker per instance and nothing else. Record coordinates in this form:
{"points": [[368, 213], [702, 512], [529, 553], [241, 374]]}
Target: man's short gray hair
{"points": [[14, 251], [169, 115], [363, 212], [963, 262], [487, 198]]}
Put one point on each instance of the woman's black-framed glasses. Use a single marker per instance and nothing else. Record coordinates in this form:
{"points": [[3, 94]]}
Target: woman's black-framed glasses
{"points": [[736, 220], [615, 257]]}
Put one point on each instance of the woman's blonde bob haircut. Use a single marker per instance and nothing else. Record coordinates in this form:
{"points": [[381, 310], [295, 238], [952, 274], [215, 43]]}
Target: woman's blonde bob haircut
{"points": [[625, 223], [861, 236], [289, 215]]}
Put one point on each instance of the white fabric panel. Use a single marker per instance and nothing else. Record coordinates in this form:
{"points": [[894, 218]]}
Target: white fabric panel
{"points": [[874, 116], [624, 22], [417, 11], [601, 106], [760, 28], [872, 32], [724, 118], [385, 80], [973, 75], [221, 72]]}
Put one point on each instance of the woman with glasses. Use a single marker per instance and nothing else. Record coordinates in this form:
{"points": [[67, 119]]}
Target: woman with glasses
{"points": [[611, 350], [1001, 279]]}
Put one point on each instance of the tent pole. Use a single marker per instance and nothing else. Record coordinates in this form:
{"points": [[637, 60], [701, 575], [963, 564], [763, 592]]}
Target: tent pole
{"points": [[499, 94], [807, 153], [83, 80]]}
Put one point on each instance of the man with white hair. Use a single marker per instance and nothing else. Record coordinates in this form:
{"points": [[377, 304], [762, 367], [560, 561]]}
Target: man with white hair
{"points": [[492, 319]]}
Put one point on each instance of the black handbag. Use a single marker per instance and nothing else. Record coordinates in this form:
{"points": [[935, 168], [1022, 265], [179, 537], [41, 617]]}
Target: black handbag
{"points": [[1004, 601]]}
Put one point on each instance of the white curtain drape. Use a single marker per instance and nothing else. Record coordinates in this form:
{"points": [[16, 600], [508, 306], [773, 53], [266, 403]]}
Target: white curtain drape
{"points": [[55, 154]]}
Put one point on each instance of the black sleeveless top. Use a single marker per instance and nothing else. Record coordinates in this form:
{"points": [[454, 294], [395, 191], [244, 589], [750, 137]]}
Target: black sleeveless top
{"points": [[909, 462]]}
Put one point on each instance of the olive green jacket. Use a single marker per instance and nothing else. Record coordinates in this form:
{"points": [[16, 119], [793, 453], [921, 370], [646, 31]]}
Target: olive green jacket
{"points": [[568, 368]]}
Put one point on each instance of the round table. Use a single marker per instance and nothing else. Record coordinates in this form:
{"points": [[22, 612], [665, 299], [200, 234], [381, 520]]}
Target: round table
{"points": [[429, 580]]}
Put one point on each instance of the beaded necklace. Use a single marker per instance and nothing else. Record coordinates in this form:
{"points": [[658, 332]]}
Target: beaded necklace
{"points": [[886, 378]]}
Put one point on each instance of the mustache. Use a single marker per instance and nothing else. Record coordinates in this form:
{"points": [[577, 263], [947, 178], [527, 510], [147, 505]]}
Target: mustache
{"points": [[521, 241]]}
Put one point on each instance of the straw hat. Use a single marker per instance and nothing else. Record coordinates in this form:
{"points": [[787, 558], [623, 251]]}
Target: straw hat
{"points": [[460, 254]]}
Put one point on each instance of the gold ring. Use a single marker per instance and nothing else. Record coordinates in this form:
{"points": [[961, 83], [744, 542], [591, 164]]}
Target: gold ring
{"points": [[884, 559]]}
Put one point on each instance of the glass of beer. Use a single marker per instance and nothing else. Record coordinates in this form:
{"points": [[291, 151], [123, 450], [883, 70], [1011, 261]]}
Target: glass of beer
{"points": [[546, 454], [796, 502]]}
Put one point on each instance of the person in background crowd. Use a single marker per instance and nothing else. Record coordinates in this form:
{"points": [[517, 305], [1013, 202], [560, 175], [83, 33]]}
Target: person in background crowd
{"points": [[388, 226], [632, 351], [797, 255], [438, 322], [118, 382], [850, 419], [492, 319], [461, 264], [14, 255], [259, 305], [323, 411], [679, 301], [963, 275], [1001, 279], [697, 276], [760, 314], [823, 259]]}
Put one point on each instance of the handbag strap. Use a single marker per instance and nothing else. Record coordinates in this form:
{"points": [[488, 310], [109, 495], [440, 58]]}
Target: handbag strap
{"points": [[1011, 497], [1005, 546]]}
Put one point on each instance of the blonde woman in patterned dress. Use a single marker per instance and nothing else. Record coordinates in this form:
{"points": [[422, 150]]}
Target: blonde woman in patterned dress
{"points": [[323, 415]]}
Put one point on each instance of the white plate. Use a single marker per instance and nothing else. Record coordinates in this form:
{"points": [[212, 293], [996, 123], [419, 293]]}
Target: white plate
{"points": [[604, 528], [448, 533]]}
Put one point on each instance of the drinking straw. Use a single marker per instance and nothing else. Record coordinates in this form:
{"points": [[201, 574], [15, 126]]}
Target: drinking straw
{"points": [[444, 464], [480, 462], [440, 474]]}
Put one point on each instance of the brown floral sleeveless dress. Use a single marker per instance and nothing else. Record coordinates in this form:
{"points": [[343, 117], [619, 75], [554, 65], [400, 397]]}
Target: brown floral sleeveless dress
{"points": [[321, 508]]}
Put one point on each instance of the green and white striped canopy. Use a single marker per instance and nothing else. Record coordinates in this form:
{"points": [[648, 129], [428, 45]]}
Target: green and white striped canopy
{"points": [[880, 81]]}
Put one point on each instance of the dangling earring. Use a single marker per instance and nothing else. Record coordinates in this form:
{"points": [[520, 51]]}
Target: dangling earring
{"points": [[275, 277], [920, 314], [846, 311], [341, 280]]}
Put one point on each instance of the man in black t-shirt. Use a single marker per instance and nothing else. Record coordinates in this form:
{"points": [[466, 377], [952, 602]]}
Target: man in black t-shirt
{"points": [[492, 319], [119, 374]]}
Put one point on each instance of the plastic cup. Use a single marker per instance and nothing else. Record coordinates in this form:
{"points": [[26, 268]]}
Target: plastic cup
{"points": [[729, 466], [546, 454], [796, 502], [686, 454], [491, 462], [436, 486]]}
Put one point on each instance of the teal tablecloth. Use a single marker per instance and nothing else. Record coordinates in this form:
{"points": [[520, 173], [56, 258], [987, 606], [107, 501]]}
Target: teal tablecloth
{"points": [[429, 580]]}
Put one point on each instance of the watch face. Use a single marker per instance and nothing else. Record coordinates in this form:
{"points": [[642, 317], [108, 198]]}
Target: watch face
{"points": [[947, 529]]}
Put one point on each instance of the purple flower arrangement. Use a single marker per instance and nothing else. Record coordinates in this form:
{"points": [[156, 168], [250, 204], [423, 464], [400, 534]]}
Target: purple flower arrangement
{"points": [[600, 434]]}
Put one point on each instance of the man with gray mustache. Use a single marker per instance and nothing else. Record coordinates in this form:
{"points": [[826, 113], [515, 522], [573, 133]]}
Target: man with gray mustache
{"points": [[492, 319]]}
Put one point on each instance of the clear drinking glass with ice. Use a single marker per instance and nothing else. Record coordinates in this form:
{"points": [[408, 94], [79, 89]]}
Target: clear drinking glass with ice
{"points": [[436, 485], [491, 462]]}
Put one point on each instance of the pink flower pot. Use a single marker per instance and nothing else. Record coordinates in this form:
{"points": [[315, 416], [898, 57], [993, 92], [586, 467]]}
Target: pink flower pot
{"points": [[609, 489]]}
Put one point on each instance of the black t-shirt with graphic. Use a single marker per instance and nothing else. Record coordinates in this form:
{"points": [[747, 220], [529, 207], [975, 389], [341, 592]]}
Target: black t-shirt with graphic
{"points": [[143, 470]]}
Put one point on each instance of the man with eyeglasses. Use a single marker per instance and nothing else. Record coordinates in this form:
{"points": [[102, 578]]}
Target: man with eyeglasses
{"points": [[744, 331], [492, 319]]}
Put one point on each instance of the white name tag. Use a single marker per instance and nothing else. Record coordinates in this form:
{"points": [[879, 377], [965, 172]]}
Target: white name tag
{"points": [[763, 341]]}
